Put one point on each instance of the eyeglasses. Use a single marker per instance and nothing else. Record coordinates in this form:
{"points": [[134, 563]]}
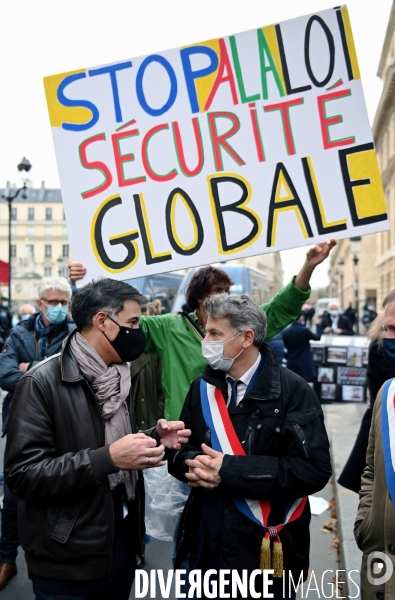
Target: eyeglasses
{"points": [[55, 303]]}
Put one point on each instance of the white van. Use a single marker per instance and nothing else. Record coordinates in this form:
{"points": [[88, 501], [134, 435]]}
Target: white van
{"points": [[322, 305]]}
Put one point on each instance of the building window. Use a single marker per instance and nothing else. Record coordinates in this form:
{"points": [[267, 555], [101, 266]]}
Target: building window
{"points": [[48, 214], [47, 271], [65, 251], [13, 250], [30, 232], [30, 214], [48, 232], [64, 232], [64, 272], [14, 213], [48, 251], [30, 250]]}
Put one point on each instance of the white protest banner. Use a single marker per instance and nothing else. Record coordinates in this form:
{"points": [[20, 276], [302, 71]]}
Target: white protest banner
{"points": [[238, 146]]}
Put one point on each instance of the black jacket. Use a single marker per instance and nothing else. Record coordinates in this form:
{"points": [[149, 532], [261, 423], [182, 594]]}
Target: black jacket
{"points": [[281, 426], [343, 323], [297, 342], [378, 372], [57, 467]]}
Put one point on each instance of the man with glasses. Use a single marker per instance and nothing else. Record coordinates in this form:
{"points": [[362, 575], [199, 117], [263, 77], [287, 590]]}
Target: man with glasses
{"points": [[31, 341]]}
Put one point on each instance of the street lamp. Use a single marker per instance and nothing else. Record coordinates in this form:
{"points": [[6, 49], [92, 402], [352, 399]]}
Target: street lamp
{"points": [[24, 165], [335, 282], [355, 247], [340, 264]]}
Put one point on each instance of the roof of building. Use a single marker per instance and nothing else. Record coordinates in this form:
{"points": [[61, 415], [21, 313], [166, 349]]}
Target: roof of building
{"points": [[34, 194]]}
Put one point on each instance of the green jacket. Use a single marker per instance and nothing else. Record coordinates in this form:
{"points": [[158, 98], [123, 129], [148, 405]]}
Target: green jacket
{"points": [[172, 338]]}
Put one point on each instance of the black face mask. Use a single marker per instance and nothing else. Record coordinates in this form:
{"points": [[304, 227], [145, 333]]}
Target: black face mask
{"points": [[129, 344]]}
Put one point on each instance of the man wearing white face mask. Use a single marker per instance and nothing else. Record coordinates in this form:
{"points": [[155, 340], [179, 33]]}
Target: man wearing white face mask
{"points": [[258, 448], [334, 322], [39, 336]]}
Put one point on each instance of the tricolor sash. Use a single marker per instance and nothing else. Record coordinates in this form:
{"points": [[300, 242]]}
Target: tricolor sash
{"points": [[388, 427], [224, 439]]}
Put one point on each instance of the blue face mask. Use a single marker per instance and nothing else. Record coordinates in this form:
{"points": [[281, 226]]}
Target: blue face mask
{"points": [[56, 314], [26, 317], [389, 350]]}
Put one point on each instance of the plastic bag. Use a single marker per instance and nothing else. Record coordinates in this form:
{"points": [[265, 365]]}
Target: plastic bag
{"points": [[165, 499]]}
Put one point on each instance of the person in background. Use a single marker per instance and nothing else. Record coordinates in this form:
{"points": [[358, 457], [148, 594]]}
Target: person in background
{"points": [[333, 322], [378, 371], [351, 313], [148, 400], [25, 311], [375, 520], [31, 341], [297, 343], [308, 311], [5, 321], [369, 314], [176, 338], [277, 343]]}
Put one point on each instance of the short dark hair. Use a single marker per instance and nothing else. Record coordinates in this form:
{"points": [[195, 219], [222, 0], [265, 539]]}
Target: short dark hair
{"points": [[202, 283], [103, 294]]}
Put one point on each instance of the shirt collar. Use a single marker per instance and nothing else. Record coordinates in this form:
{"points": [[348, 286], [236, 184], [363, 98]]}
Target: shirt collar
{"points": [[248, 375]]}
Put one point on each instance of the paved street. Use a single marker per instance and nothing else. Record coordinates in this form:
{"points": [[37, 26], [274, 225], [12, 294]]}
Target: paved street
{"points": [[323, 557]]}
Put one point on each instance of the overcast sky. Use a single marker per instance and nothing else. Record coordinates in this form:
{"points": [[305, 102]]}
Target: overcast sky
{"points": [[44, 37]]}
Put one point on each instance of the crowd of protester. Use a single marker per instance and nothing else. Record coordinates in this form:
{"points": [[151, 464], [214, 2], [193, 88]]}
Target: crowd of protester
{"points": [[100, 385]]}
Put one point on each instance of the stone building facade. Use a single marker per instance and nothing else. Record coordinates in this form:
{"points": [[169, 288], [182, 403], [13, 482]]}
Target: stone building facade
{"points": [[39, 240]]}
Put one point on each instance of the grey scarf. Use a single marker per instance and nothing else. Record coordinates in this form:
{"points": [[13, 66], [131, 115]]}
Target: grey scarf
{"points": [[111, 386]]}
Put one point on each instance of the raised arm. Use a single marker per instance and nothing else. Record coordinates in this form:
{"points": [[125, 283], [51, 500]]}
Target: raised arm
{"points": [[287, 304], [314, 257]]}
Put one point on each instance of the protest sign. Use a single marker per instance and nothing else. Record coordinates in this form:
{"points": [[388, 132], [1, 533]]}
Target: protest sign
{"points": [[233, 147]]}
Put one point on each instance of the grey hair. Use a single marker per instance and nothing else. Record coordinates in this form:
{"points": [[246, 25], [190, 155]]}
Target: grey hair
{"points": [[54, 283], [242, 312]]}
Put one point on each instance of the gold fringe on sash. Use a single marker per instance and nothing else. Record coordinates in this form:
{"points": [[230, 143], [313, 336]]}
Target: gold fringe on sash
{"points": [[277, 562], [265, 562], [272, 559]]}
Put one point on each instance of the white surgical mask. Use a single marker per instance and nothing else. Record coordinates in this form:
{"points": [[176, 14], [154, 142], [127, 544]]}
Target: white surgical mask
{"points": [[213, 353]]}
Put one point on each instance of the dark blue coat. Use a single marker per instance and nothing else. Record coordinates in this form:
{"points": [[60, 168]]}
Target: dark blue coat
{"points": [[277, 344], [297, 342], [21, 347]]}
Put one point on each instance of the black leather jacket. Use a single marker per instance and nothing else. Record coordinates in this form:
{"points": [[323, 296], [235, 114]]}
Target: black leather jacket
{"points": [[57, 467], [281, 426]]}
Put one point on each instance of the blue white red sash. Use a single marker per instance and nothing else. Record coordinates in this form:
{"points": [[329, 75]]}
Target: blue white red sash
{"points": [[388, 426], [225, 440]]}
